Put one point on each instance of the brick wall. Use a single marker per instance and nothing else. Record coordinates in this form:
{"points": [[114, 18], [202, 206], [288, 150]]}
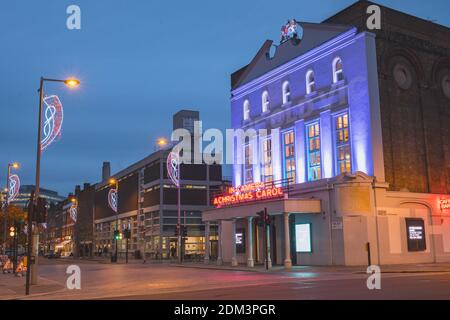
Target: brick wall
{"points": [[415, 119]]}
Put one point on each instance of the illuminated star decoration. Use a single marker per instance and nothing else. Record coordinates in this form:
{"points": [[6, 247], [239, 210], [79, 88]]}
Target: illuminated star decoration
{"points": [[14, 187], [173, 169], [53, 119], [112, 199], [73, 212]]}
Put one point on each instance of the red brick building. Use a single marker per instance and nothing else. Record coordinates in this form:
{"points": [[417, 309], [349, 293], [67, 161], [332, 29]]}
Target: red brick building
{"points": [[413, 58]]}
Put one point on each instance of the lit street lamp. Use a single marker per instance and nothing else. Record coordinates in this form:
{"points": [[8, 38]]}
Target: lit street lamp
{"points": [[33, 242], [161, 143], [13, 165]]}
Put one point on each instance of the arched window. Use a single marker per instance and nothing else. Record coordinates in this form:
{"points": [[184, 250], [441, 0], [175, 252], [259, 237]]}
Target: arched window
{"points": [[265, 101], [286, 92], [246, 110], [310, 83], [338, 74]]}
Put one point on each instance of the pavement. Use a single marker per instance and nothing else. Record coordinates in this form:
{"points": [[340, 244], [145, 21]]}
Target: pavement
{"points": [[13, 287], [403, 268], [101, 279]]}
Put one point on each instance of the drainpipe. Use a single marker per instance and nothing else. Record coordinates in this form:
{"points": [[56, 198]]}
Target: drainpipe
{"points": [[433, 240], [330, 188], [376, 220]]}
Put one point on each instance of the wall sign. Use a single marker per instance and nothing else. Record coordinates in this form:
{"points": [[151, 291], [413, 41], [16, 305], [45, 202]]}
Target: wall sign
{"points": [[248, 193], [240, 240], [444, 204], [303, 237], [337, 225], [415, 232]]}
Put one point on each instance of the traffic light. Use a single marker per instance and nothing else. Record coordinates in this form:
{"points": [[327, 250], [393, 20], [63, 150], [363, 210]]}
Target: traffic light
{"points": [[264, 216], [184, 231], [117, 235], [12, 231], [127, 234]]}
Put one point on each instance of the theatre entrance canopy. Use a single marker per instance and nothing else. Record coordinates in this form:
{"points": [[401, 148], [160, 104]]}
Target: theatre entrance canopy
{"points": [[237, 207]]}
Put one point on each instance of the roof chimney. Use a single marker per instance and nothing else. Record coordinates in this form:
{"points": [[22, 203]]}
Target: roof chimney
{"points": [[106, 171]]}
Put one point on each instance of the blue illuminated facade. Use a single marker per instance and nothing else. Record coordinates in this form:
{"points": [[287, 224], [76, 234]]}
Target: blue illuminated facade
{"points": [[326, 95], [309, 111]]}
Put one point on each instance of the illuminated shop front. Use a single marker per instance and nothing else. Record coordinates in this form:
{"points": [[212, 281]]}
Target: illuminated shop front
{"points": [[310, 153]]}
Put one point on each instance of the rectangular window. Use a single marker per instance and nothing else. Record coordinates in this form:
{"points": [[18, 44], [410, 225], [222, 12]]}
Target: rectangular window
{"points": [[248, 163], [289, 156], [266, 165], [343, 158], [313, 146]]}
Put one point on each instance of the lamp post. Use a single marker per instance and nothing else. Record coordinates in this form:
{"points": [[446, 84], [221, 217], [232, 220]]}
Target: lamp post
{"points": [[74, 217], [115, 183], [13, 165], [33, 240]]}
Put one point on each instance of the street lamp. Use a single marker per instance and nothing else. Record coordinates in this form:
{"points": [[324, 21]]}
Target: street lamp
{"points": [[115, 183], [73, 212], [161, 143], [32, 268], [13, 165]]}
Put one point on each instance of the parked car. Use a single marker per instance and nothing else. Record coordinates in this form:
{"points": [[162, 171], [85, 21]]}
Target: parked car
{"points": [[52, 255]]}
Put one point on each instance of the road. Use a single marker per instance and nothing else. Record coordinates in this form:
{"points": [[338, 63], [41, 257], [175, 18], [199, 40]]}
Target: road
{"points": [[157, 281]]}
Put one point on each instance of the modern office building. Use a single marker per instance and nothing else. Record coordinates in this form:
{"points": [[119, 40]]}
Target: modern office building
{"points": [[24, 195], [147, 203], [340, 146]]}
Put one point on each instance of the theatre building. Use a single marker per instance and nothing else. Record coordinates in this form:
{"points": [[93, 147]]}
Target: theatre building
{"points": [[321, 170]]}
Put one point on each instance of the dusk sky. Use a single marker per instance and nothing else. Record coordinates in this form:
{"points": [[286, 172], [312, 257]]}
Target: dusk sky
{"points": [[138, 62]]}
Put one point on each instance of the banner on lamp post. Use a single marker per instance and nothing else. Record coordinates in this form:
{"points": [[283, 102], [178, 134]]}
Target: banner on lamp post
{"points": [[173, 168], [14, 187], [52, 121]]}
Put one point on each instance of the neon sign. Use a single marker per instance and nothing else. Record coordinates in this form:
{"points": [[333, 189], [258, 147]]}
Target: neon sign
{"points": [[14, 187], [53, 120], [112, 199], [445, 204], [248, 193], [173, 168]]}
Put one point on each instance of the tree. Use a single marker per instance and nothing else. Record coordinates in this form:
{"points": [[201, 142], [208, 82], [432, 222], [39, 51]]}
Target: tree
{"points": [[20, 216]]}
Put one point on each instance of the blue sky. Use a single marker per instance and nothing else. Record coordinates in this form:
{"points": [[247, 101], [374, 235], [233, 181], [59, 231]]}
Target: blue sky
{"points": [[139, 62]]}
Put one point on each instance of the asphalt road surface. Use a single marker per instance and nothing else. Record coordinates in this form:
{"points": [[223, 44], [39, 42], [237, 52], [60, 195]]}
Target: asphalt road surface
{"points": [[155, 281]]}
